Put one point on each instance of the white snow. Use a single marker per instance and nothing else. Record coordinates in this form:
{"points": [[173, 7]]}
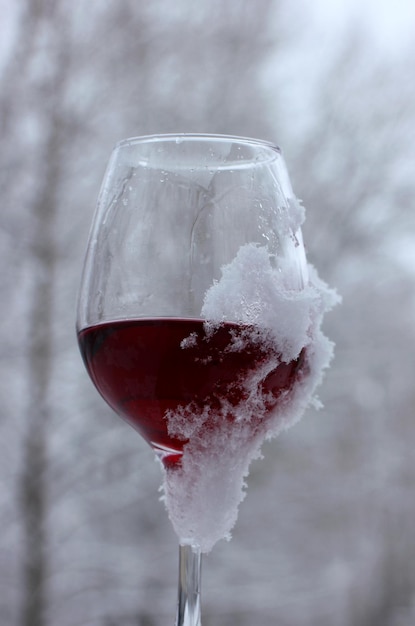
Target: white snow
{"points": [[260, 292]]}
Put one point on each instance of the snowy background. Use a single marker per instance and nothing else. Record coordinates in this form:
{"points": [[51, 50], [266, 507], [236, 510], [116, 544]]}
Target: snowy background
{"points": [[325, 536]]}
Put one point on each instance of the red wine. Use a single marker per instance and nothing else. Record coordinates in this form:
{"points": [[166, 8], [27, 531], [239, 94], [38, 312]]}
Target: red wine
{"points": [[145, 368]]}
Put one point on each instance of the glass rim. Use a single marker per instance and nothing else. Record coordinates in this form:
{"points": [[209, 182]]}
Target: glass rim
{"points": [[180, 137]]}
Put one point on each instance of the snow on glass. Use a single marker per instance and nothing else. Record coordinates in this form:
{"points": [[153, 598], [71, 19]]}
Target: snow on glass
{"points": [[202, 493]]}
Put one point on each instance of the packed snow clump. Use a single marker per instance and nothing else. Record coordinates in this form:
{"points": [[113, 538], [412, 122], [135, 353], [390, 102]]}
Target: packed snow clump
{"points": [[255, 291]]}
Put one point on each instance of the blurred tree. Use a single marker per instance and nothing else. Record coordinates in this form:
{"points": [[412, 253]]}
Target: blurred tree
{"points": [[352, 169], [36, 79]]}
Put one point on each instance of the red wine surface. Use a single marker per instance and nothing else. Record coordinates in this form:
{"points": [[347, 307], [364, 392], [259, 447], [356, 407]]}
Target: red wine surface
{"points": [[142, 370]]}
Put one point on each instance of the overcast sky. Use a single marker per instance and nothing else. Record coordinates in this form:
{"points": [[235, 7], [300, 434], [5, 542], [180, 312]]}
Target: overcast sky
{"points": [[391, 23]]}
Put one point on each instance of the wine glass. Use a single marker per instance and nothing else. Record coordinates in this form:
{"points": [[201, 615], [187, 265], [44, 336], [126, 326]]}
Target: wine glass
{"points": [[199, 319]]}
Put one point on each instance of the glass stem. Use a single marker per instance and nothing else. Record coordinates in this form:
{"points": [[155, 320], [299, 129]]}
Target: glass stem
{"points": [[188, 604]]}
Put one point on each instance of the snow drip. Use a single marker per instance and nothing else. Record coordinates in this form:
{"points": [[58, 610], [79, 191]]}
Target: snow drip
{"points": [[281, 327]]}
